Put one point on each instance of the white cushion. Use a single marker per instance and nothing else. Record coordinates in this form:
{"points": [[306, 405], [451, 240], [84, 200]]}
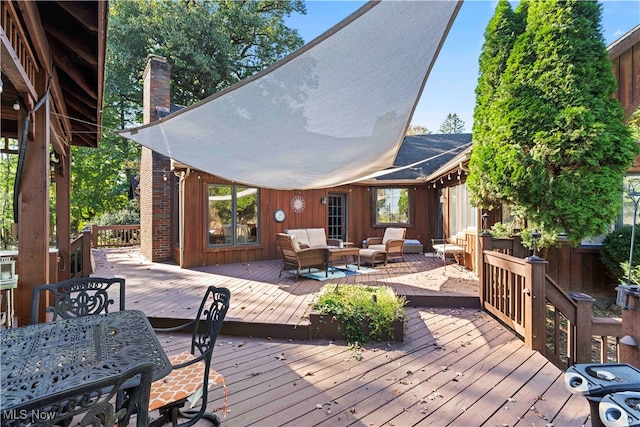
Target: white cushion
{"points": [[294, 243], [393, 234], [301, 234], [377, 247], [317, 237]]}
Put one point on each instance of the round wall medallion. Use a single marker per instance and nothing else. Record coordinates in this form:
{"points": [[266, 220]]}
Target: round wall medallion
{"points": [[297, 204], [279, 215]]}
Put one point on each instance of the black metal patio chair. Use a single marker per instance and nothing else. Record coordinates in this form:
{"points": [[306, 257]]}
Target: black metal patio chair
{"points": [[83, 296], [192, 375], [90, 403]]}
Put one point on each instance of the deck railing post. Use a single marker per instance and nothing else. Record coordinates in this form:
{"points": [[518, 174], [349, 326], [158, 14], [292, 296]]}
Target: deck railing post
{"points": [[94, 236], [484, 244], [535, 308], [86, 252], [582, 327]]}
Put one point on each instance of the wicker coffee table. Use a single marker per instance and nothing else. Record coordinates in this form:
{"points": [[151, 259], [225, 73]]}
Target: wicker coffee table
{"points": [[339, 253]]}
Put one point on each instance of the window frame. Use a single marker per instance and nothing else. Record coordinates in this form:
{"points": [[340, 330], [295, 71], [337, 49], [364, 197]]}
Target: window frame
{"points": [[374, 201], [234, 216]]}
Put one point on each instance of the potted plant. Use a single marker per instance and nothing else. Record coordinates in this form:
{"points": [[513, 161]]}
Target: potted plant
{"points": [[358, 313]]}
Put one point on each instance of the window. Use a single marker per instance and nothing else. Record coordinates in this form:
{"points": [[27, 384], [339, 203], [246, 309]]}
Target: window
{"points": [[462, 215], [392, 206], [232, 215], [625, 217]]}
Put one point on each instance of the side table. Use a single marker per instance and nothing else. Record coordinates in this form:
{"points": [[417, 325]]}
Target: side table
{"points": [[338, 253]]}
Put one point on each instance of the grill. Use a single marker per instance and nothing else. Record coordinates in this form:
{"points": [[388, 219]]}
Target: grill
{"points": [[607, 387], [620, 409]]}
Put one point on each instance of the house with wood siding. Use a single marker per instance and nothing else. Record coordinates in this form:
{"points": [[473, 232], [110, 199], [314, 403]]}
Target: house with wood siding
{"points": [[224, 222]]}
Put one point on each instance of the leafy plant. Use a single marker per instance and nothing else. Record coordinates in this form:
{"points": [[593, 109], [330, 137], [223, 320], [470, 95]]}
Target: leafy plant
{"points": [[615, 251], [357, 306], [635, 273], [501, 230], [126, 216]]}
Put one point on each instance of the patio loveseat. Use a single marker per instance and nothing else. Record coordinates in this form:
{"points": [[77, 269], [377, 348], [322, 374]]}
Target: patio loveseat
{"points": [[313, 238], [294, 256]]}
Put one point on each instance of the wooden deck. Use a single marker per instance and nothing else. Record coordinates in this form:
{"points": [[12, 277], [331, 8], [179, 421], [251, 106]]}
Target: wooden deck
{"points": [[456, 367]]}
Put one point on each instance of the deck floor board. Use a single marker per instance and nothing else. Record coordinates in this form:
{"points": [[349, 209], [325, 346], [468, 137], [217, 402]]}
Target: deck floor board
{"points": [[456, 367]]}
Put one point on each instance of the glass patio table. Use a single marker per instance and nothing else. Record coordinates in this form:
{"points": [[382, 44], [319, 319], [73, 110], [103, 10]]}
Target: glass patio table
{"points": [[39, 360]]}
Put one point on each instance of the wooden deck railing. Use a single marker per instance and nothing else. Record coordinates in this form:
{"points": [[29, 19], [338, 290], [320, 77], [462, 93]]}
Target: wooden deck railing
{"points": [[110, 236], [80, 255], [559, 325]]}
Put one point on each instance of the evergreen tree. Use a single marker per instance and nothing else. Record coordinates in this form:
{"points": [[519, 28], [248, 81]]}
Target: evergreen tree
{"points": [[500, 35], [559, 145], [452, 124]]}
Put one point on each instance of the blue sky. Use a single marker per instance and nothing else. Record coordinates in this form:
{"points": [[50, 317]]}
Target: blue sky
{"points": [[450, 87]]}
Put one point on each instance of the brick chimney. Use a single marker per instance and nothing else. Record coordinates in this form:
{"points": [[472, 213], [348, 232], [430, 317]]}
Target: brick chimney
{"points": [[156, 178]]}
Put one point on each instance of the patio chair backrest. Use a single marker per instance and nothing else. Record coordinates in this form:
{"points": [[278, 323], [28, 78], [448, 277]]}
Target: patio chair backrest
{"points": [[208, 321], [170, 394], [92, 401], [83, 296], [391, 233]]}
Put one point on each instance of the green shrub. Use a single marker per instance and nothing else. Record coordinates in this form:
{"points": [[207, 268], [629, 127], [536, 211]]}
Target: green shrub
{"points": [[635, 274], [501, 230], [615, 251], [126, 216], [359, 305]]}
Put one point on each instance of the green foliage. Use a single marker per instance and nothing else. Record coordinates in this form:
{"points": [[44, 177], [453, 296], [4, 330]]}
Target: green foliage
{"points": [[615, 251], [635, 274], [500, 230], [554, 145], [8, 167], [354, 305], [210, 45], [452, 124], [100, 179], [500, 35], [130, 215]]}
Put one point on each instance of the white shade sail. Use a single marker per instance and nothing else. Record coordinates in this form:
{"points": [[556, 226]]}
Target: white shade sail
{"points": [[333, 112]]}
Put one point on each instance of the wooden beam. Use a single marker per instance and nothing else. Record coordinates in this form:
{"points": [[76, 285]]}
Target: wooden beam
{"points": [[71, 68], [72, 43], [84, 14], [33, 208]]}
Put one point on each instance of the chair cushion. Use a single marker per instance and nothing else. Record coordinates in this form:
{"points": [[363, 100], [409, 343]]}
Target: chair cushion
{"points": [[377, 247], [183, 383], [393, 234], [294, 243], [301, 234], [317, 237]]}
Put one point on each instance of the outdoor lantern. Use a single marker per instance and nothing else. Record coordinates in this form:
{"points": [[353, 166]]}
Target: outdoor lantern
{"points": [[485, 218], [535, 236]]}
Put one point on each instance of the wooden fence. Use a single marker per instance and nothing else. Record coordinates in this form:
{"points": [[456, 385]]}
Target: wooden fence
{"points": [[112, 236], [561, 326]]}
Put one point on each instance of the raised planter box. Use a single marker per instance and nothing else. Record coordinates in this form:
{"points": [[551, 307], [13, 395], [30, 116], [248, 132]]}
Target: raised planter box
{"points": [[323, 326]]}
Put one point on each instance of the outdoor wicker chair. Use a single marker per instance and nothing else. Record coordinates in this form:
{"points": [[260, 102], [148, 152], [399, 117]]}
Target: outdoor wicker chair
{"points": [[192, 375], [295, 257], [83, 296], [392, 243]]}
